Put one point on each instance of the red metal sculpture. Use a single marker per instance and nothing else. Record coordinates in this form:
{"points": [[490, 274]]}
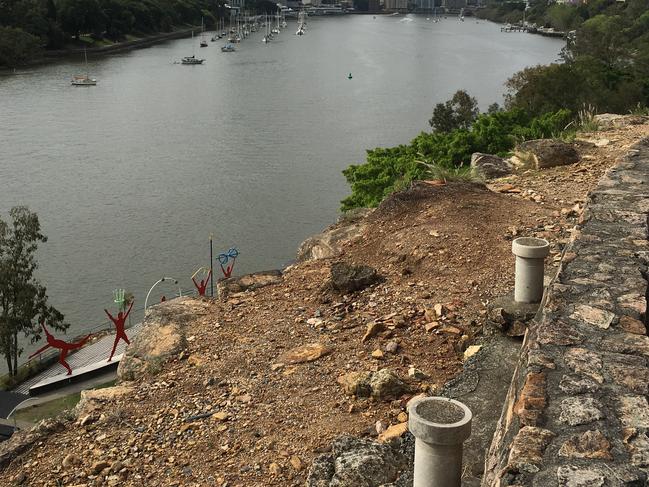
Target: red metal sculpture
{"points": [[202, 286], [229, 256], [65, 347], [119, 322]]}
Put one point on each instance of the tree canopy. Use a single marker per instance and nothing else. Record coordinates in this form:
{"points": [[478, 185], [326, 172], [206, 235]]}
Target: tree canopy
{"points": [[23, 299]]}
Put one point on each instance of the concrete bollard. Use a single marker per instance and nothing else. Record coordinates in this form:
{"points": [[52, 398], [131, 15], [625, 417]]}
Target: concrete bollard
{"points": [[530, 254], [440, 426]]}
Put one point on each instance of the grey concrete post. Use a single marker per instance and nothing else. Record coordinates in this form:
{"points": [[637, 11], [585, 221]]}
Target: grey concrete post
{"points": [[440, 426], [530, 254]]}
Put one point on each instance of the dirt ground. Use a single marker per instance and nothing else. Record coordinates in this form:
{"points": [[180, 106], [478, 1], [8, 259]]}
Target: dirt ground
{"points": [[448, 245]]}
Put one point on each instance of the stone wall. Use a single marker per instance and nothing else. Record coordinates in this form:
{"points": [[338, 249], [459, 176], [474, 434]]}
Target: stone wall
{"points": [[576, 413]]}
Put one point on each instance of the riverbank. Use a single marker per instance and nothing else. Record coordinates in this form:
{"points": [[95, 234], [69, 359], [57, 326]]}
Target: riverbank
{"points": [[254, 386], [50, 56]]}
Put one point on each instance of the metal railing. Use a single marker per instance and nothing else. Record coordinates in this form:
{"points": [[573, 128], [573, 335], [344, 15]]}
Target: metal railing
{"points": [[48, 357]]}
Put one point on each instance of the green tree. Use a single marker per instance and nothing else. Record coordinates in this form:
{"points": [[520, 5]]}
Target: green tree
{"points": [[81, 16], [23, 300], [457, 113], [17, 46]]}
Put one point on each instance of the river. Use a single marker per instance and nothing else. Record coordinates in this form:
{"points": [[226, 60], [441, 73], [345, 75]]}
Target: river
{"points": [[130, 177]]}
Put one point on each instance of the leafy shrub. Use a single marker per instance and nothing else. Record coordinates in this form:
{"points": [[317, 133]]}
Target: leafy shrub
{"points": [[386, 170]]}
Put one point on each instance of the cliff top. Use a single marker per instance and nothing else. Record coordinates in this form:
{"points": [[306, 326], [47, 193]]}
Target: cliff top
{"points": [[238, 400]]}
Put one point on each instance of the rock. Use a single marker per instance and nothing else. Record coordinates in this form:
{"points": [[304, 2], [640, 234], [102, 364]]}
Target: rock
{"points": [[356, 384], [70, 460], [274, 469], [161, 336], [386, 384], [220, 416], [381, 385], [416, 373], [346, 278], [92, 400], [296, 463], [394, 431], [357, 463], [593, 316], [98, 466], [580, 410], [249, 282], [471, 351], [329, 243], [631, 325], [377, 354], [392, 347], [611, 120], [305, 353], [373, 329], [432, 325], [549, 152], [572, 476], [590, 444], [490, 166]]}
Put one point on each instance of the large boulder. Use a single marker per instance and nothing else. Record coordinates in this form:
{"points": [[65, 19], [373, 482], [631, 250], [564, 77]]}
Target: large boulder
{"points": [[544, 153], [490, 166], [348, 278], [329, 243], [355, 462], [161, 336], [249, 282]]}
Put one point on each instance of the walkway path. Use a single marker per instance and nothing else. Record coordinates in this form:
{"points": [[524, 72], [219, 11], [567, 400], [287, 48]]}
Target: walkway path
{"points": [[94, 353], [577, 411]]}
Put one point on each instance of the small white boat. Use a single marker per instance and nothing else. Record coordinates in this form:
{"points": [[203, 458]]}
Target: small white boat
{"points": [[84, 79], [191, 60], [228, 48]]}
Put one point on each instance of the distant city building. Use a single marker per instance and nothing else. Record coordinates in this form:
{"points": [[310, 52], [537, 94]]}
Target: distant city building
{"points": [[454, 4], [238, 4], [396, 5]]}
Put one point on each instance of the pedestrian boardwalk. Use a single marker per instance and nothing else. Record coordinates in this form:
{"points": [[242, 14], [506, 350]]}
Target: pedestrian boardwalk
{"points": [[86, 357]]}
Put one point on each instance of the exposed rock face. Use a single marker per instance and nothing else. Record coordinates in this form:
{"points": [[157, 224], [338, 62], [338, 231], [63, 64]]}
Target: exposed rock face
{"points": [[23, 440], [549, 152], [356, 462], [347, 279], [490, 166], [249, 282], [162, 336], [92, 400], [613, 120], [329, 243]]}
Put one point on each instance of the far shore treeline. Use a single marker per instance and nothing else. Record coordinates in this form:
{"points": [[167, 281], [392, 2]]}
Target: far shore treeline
{"points": [[603, 68], [30, 26]]}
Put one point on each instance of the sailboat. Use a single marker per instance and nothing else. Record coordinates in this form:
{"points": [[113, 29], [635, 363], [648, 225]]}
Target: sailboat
{"points": [[203, 41], [192, 60], [84, 79]]}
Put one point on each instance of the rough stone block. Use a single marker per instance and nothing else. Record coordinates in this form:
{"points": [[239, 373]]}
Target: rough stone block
{"points": [[528, 447], [572, 476], [531, 400], [593, 316], [577, 410], [634, 411], [590, 444]]}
